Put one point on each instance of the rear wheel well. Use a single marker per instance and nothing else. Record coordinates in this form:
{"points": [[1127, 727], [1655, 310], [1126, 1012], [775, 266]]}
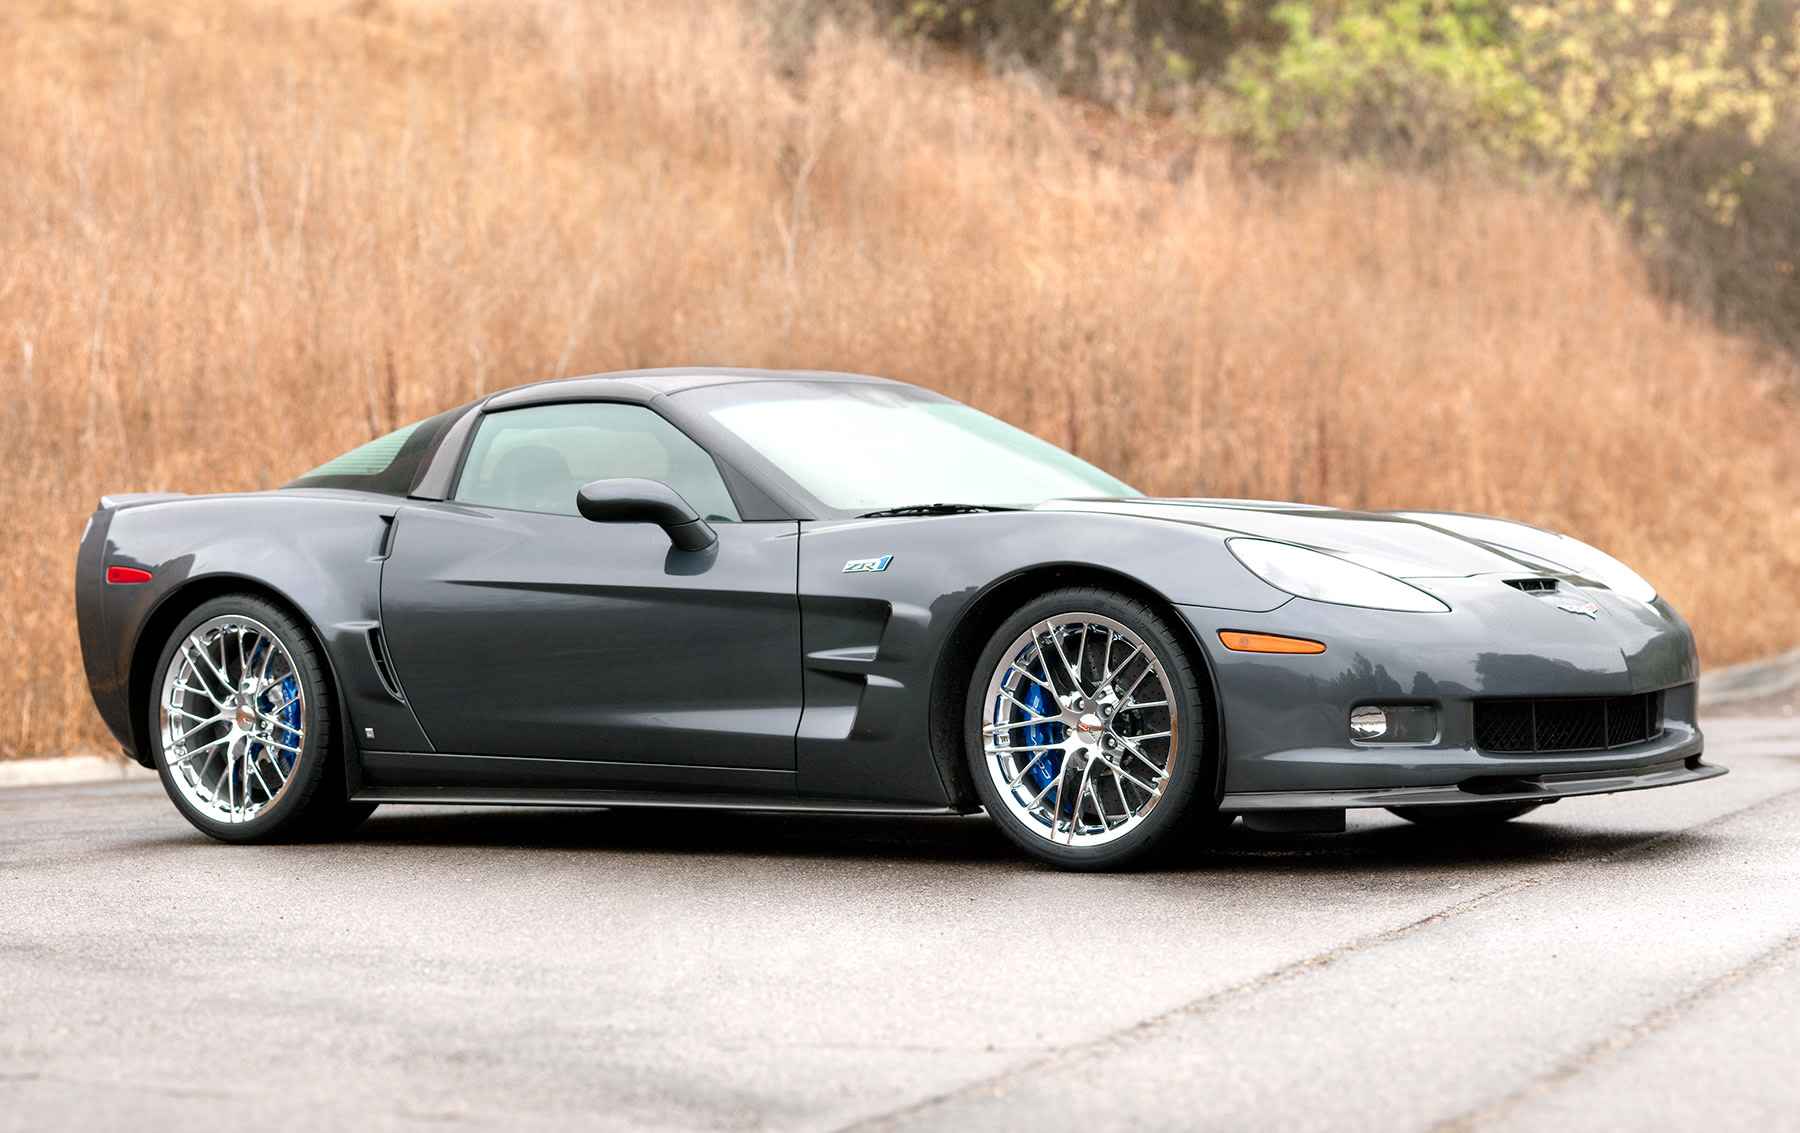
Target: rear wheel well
{"points": [[956, 664], [162, 623]]}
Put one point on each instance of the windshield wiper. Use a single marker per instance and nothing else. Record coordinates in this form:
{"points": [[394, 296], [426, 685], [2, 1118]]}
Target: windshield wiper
{"points": [[933, 509]]}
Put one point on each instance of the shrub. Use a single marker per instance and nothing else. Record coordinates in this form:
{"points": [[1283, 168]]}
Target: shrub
{"points": [[1679, 116]]}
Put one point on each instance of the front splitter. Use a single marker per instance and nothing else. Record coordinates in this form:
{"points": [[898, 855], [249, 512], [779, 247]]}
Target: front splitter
{"points": [[1529, 788]]}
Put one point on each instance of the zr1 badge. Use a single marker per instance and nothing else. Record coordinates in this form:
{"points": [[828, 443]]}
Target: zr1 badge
{"points": [[863, 566]]}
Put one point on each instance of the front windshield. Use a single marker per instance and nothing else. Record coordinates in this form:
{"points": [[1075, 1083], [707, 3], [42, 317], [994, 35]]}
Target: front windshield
{"points": [[860, 448]]}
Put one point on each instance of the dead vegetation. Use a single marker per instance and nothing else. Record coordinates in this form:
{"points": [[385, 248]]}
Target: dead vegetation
{"points": [[241, 237]]}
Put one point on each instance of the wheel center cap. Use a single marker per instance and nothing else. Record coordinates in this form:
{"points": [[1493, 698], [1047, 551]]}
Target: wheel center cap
{"points": [[1089, 728], [246, 713]]}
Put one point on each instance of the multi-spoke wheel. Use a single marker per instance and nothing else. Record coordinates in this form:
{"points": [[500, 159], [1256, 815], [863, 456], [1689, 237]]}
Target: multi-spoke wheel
{"points": [[241, 720], [1086, 738]]}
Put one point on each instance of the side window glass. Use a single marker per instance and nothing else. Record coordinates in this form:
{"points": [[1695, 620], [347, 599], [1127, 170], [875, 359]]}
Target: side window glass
{"points": [[538, 457]]}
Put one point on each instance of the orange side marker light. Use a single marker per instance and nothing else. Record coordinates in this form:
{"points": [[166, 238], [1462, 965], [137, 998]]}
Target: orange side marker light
{"points": [[1242, 642]]}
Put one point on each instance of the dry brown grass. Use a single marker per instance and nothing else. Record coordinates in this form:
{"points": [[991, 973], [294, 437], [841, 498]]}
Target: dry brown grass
{"points": [[241, 237]]}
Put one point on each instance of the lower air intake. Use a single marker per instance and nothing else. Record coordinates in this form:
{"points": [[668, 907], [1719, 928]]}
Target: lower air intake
{"points": [[1591, 723]]}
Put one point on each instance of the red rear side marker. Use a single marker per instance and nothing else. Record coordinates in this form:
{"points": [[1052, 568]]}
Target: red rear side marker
{"points": [[123, 575]]}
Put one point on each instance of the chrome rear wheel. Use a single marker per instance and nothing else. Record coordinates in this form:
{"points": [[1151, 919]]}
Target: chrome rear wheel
{"points": [[233, 713], [243, 728]]}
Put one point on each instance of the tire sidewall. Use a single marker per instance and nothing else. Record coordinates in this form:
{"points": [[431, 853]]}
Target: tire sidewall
{"points": [[1187, 797], [282, 817]]}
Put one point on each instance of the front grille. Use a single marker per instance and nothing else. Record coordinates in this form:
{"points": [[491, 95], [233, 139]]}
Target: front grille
{"points": [[1590, 723]]}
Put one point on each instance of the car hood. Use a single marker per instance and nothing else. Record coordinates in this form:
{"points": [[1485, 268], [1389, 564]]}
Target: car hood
{"points": [[1404, 545]]}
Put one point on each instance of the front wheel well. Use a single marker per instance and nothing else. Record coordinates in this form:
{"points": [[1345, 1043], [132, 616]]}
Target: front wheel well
{"points": [[966, 640], [162, 622]]}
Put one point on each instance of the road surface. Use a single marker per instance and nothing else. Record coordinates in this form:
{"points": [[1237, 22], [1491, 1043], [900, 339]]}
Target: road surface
{"points": [[1618, 962]]}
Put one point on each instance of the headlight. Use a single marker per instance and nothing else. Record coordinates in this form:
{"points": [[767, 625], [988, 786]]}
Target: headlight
{"points": [[1327, 578]]}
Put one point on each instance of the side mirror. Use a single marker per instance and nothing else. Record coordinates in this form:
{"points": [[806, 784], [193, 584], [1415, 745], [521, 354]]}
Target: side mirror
{"points": [[634, 499], [631, 499]]}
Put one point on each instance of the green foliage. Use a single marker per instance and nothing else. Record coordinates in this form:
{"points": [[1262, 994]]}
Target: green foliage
{"points": [[1583, 86], [1617, 80], [1129, 54], [1402, 77], [1679, 114]]}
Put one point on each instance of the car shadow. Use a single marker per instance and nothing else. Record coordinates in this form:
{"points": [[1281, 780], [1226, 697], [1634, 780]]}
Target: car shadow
{"points": [[1404, 846], [655, 830], [973, 839]]}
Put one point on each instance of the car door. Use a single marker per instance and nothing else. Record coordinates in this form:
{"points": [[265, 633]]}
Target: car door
{"points": [[518, 628]]}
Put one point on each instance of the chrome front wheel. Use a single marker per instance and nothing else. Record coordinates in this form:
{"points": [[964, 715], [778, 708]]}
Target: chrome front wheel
{"points": [[1082, 744]]}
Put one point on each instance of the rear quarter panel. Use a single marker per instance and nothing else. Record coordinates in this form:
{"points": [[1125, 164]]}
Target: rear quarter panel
{"points": [[318, 552]]}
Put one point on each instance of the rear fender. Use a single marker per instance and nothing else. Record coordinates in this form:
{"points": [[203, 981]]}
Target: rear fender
{"points": [[317, 553]]}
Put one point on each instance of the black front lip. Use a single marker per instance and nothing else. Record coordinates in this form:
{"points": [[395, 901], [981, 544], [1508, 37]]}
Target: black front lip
{"points": [[1483, 788]]}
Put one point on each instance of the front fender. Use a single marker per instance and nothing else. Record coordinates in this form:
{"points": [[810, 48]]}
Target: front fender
{"points": [[874, 639]]}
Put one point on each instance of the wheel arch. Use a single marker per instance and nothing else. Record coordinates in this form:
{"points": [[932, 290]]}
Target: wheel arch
{"points": [[169, 612], [969, 635]]}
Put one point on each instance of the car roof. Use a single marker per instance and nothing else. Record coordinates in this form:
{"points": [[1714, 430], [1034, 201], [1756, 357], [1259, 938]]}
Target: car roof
{"points": [[644, 385]]}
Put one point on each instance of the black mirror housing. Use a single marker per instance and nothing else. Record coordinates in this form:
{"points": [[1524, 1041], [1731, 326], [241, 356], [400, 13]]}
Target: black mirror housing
{"points": [[632, 499]]}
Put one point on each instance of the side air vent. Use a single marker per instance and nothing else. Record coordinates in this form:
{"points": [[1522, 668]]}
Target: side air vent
{"points": [[384, 538], [378, 654], [1567, 724], [1533, 585]]}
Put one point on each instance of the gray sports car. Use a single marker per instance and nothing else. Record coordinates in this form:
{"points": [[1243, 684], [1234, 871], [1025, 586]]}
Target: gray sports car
{"points": [[824, 592]]}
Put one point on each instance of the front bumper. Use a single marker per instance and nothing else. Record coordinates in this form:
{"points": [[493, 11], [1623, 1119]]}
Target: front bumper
{"points": [[1284, 719]]}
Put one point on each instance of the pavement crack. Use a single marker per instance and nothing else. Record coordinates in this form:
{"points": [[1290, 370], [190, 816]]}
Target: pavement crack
{"points": [[207, 1093], [1144, 1029], [1614, 1044]]}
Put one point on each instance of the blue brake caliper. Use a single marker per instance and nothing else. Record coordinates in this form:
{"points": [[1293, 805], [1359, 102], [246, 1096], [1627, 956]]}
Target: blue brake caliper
{"points": [[286, 694], [1039, 700]]}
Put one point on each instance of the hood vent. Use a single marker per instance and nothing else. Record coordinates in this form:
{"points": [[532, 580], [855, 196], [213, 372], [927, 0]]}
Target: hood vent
{"points": [[1533, 585]]}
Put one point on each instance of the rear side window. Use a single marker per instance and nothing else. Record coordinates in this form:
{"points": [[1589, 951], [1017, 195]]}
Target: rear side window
{"points": [[538, 457], [386, 464]]}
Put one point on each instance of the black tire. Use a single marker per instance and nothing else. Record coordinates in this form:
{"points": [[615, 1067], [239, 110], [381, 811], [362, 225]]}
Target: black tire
{"points": [[1464, 814], [266, 767], [1105, 747]]}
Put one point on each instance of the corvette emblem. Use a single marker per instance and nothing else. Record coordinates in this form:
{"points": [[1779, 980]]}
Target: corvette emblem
{"points": [[1586, 609], [864, 566]]}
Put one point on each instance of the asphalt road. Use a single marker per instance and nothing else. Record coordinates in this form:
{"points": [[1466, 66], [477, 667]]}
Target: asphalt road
{"points": [[1621, 962]]}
